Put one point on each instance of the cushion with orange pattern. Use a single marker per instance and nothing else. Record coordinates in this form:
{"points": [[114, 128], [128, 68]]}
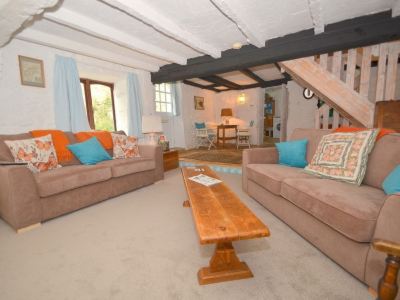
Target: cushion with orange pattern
{"points": [[60, 142]]}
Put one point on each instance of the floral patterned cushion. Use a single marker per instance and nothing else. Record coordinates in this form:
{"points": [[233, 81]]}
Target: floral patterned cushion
{"points": [[39, 153], [125, 146], [343, 156]]}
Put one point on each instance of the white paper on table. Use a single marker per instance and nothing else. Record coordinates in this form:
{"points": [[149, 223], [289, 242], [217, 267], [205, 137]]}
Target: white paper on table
{"points": [[205, 180]]}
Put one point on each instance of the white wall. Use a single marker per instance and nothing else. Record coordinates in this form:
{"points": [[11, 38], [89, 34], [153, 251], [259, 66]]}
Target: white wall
{"points": [[23, 108], [251, 110], [301, 112]]}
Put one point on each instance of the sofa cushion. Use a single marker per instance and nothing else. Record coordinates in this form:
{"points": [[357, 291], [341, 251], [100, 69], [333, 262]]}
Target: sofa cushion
{"points": [[312, 135], [350, 209], [382, 160], [70, 177], [5, 153], [122, 167], [270, 176]]}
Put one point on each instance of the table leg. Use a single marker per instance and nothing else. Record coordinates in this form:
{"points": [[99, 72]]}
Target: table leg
{"points": [[217, 136], [224, 266], [223, 137]]}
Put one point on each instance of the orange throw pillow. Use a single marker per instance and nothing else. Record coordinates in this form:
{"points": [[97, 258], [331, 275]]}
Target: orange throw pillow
{"points": [[104, 137], [60, 142], [382, 131]]}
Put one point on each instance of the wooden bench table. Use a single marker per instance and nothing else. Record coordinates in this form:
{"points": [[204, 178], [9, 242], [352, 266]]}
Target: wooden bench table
{"points": [[220, 218]]}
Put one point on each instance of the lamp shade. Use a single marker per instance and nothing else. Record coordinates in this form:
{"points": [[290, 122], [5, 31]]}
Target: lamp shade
{"points": [[151, 124], [226, 112]]}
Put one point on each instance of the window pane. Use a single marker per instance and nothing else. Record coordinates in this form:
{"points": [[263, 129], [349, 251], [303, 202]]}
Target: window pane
{"points": [[163, 107], [169, 108], [162, 97], [168, 98], [168, 87], [102, 107], [162, 87], [158, 106], [157, 96]]}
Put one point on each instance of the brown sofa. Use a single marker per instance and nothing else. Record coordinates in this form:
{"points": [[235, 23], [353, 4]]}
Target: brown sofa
{"points": [[27, 198], [341, 219]]}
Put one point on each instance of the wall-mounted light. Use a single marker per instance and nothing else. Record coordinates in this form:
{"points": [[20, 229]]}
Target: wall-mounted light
{"points": [[241, 99]]}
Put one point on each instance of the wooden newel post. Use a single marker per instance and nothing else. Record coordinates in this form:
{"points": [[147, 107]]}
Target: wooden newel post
{"points": [[388, 288]]}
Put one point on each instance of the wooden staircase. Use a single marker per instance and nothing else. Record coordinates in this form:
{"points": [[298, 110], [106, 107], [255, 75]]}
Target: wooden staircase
{"points": [[349, 82]]}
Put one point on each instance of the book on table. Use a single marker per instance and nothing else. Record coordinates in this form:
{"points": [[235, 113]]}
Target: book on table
{"points": [[205, 180]]}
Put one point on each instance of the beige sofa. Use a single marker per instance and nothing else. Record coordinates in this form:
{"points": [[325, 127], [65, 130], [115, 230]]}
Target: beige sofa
{"points": [[27, 198], [341, 219]]}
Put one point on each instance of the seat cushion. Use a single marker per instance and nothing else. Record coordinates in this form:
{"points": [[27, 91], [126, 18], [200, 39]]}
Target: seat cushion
{"points": [[70, 177], [126, 166], [350, 209], [270, 176]]}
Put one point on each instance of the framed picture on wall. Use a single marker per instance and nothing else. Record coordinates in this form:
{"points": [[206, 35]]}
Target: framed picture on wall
{"points": [[31, 71], [198, 103]]}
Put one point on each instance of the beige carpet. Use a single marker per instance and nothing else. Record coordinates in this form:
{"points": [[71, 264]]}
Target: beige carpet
{"points": [[143, 245]]}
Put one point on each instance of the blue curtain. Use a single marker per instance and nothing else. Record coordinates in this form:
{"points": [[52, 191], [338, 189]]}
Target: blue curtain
{"points": [[176, 99], [135, 110], [70, 113]]}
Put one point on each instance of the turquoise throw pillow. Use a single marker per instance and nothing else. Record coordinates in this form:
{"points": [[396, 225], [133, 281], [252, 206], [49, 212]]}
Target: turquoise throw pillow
{"points": [[391, 184], [293, 153], [89, 152], [200, 125]]}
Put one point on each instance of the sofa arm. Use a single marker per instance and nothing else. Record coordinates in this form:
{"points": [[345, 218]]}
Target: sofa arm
{"points": [[387, 228], [19, 199], [388, 223], [257, 156], [154, 152]]}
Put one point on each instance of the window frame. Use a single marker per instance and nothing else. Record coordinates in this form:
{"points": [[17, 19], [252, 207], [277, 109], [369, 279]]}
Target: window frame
{"points": [[164, 93], [89, 103]]}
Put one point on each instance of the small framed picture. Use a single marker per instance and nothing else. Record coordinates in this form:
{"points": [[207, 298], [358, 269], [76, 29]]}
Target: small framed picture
{"points": [[198, 103], [31, 71]]}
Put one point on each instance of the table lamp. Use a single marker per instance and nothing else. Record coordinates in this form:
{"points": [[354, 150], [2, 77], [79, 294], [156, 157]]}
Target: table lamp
{"points": [[226, 113], [151, 127]]}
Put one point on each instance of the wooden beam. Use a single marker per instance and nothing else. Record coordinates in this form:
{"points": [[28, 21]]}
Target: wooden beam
{"points": [[102, 30], [154, 18], [351, 67], [315, 8], [393, 56], [380, 82], [284, 74], [204, 87], [365, 71], [236, 15], [58, 42], [357, 32], [222, 81], [253, 76], [332, 90], [13, 15]]}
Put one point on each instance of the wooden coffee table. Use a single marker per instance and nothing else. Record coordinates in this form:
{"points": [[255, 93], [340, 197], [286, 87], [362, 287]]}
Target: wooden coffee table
{"points": [[220, 218]]}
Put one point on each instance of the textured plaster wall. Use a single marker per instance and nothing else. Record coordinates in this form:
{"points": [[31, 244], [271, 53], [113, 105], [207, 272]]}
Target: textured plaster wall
{"points": [[251, 110], [23, 108], [301, 112]]}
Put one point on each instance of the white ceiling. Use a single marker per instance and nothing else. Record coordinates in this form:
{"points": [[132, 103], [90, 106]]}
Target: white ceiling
{"points": [[147, 34]]}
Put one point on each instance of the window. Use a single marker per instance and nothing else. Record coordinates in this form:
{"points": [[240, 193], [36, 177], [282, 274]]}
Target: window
{"points": [[163, 97], [99, 104]]}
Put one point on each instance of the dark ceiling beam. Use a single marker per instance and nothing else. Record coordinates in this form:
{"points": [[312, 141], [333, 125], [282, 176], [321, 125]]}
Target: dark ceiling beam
{"points": [[205, 87], [266, 84], [284, 74], [252, 75], [221, 81], [357, 32]]}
